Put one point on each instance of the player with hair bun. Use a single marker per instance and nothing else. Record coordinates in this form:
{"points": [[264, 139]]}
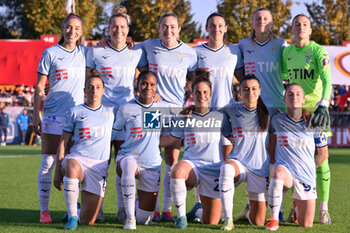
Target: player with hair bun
{"points": [[117, 62], [200, 165], [89, 125], [307, 64], [170, 59], [295, 164], [63, 65], [249, 161], [139, 156]]}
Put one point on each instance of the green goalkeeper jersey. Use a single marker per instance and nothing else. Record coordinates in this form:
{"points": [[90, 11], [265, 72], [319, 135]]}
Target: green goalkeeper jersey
{"points": [[309, 67]]}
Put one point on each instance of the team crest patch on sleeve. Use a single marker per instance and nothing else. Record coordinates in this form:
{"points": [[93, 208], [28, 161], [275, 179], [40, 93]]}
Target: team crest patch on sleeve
{"points": [[152, 119], [325, 62]]}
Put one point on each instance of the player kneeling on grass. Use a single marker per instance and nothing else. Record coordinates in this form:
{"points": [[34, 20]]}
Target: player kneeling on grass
{"points": [[89, 125], [139, 155], [202, 158], [249, 160], [295, 165]]}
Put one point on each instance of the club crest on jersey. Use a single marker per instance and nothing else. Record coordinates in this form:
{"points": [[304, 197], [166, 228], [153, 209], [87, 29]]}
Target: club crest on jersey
{"points": [[181, 56], [308, 58], [152, 119], [131, 56]]}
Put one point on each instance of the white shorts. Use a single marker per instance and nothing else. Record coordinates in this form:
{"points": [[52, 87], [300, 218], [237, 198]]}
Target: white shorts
{"points": [[52, 124], [208, 185], [257, 186], [95, 173], [148, 179], [302, 191], [225, 141]]}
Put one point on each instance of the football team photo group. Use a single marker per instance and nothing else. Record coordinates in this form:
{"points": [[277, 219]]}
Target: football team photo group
{"points": [[217, 114]]}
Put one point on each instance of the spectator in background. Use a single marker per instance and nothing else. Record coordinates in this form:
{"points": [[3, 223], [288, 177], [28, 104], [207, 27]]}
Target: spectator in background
{"points": [[23, 122], [4, 122]]}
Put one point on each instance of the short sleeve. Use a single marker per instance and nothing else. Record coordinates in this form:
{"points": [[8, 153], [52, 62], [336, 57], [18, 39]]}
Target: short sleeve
{"points": [[143, 58], [69, 125], [193, 61], [45, 63], [119, 120], [90, 59], [226, 125], [272, 128], [240, 62]]}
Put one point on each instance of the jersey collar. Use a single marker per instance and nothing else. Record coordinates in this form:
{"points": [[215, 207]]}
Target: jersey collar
{"points": [[205, 45], [66, 50], [177, 46], [202, 115], [117, 49], [143, 105], [261, 44], [92, 109]]}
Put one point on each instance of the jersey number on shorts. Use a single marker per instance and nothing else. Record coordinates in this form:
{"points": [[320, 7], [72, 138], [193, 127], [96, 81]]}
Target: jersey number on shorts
{"points": [[216, 188]]}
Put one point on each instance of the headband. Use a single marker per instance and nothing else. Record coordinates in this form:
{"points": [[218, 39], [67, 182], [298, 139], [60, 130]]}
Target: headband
{"points": [[73, 16]]}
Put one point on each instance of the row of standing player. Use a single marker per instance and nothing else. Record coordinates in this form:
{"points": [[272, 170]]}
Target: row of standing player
{"points": [[160, 52]]}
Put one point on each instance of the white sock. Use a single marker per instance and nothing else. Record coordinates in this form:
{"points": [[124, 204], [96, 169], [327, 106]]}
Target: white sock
{"points": [[71, 195], [275, 197], [323, 205], [179, 193], [227, 189], [196, 194], [44, 180], [144, 217], [120, 200], [167, 200], [129, 167]]}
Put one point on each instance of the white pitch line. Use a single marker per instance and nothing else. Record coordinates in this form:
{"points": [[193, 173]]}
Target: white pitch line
{"points": [[16, 156]]}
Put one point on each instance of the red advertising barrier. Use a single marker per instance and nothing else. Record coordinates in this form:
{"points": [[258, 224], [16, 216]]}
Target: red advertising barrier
{"points": [[19, 60], [341, 137]]}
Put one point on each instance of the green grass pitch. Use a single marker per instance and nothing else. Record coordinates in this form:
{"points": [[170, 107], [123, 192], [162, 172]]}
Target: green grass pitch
{"points": [[19, 207]]}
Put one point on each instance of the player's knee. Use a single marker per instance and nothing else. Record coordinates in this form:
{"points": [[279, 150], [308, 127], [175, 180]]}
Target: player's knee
{"points": [[306, 224], [144, 217], [47, 163], [128, 166]]}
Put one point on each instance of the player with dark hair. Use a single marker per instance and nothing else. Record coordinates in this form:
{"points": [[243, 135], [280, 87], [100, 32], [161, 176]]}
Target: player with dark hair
{"points": [[249, 161], [295, 164], [200, 165], [89, 125], [307, 64], [139, 156]]}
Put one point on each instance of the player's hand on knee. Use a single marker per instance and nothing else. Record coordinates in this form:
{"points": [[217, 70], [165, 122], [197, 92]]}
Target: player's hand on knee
{"points": [[57, 181]]}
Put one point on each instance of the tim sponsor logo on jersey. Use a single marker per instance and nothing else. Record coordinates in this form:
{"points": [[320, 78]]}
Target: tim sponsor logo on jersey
{"points": [[262, 66], [301, 73]]}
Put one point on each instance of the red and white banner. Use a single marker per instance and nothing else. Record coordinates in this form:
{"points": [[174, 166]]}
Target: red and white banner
{"points": [[339, 57], [340, 138]]}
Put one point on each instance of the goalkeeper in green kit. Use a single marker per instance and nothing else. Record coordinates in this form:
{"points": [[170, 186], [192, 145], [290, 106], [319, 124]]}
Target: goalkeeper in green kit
{"points": [[307, 63]]}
